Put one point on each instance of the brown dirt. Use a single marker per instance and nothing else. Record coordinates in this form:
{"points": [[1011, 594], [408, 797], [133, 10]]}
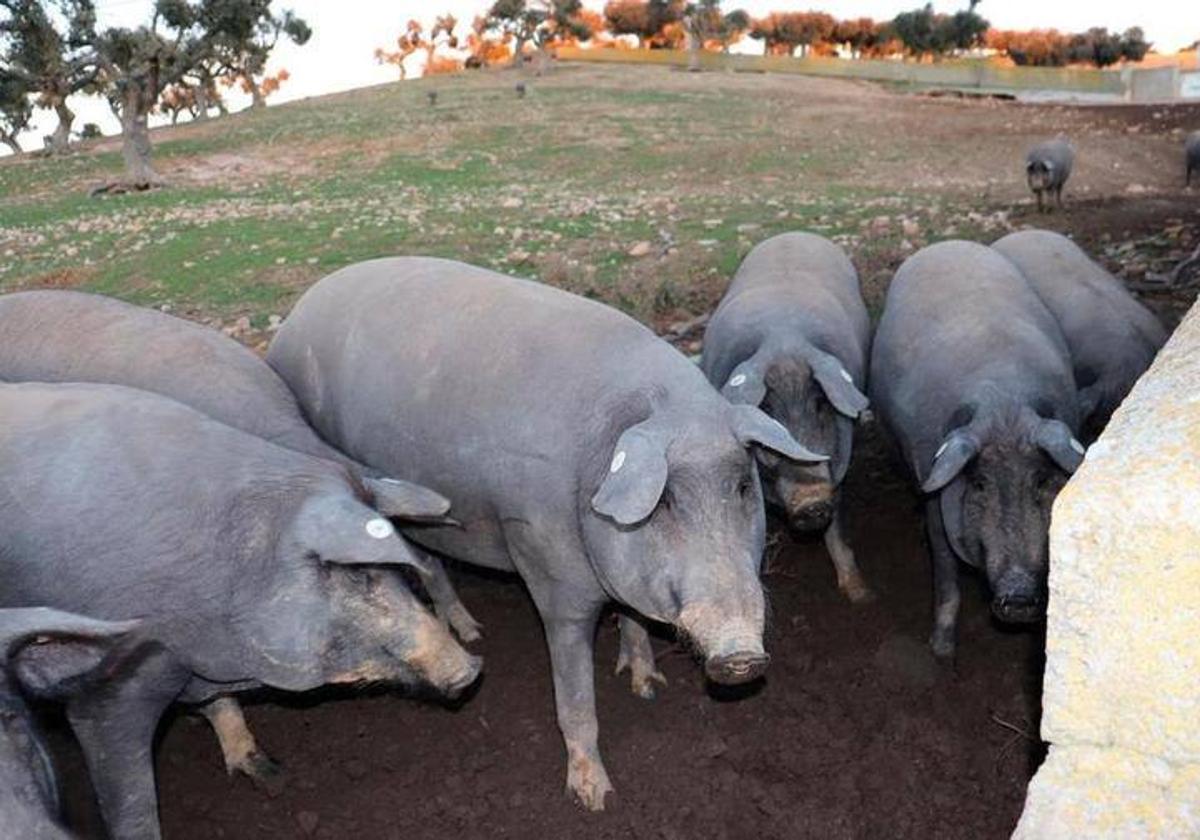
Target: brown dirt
{"points": [[855, 732]]}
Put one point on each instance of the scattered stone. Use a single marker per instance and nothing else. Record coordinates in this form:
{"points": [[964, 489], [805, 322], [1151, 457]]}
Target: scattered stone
{"points": [[308, 821], [512, 202], [641, 249]]}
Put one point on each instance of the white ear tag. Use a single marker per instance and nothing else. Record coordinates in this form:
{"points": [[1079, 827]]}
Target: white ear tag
{"points": [[846, 375], [380, 529], [941, 449], [618, 461], [738, 380], [1078, 447]]}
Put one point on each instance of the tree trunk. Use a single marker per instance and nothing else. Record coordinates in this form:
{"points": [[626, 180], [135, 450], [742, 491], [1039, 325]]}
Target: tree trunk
{"points": [[693, 52], [517, 48], [60, 140], [257, 100], [202, 105], [11, 141], [221, 108], [135, 145]]}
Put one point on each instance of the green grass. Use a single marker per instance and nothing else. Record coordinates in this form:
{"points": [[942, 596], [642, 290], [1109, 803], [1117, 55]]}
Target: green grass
{"points": [[560, 185]]}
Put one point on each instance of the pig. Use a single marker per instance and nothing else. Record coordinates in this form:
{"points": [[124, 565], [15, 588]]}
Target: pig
{"points": [[577, 448], [972, 376], [48, 654], [791, 336], [1191, 156], [249, 565], [63, 336], [1047, 167], [1112, 337]]}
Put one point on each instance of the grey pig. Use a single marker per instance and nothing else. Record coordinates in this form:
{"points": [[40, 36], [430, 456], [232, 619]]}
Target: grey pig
{"points": [[1112, 337], [1047, 167], [249, 565], [65, 336], [578, 449], [46, 654], [972, 376], [791, 335]]}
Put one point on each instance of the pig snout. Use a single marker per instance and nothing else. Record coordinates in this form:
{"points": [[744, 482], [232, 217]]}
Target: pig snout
{"points": [[441, 661], [810, 504], [1018, 600], [731, 645]]}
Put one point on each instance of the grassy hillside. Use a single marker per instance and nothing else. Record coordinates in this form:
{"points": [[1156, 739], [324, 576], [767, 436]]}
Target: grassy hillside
{"points": [[640, 186]]}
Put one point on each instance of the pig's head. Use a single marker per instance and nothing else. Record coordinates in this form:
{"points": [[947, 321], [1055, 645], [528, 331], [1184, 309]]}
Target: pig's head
{"points": [[673, 524], [1039, 174], [336, 611], [45, 653], [813, 395], [997, 480]]}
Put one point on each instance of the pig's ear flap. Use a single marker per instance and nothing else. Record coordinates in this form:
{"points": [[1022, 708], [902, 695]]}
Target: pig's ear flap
{"points": [[1055, 439], [838, 385], [343, 531], [747, 384], [637, 474], [753, 426], [46, 649], [956, 451], [406, 500]]}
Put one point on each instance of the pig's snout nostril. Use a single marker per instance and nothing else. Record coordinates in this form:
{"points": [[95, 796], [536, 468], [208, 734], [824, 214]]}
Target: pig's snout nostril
{"points": [[737, 668], [1018, 609], [465, 678]]}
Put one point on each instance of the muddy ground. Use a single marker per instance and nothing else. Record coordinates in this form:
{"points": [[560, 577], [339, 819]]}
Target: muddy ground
{"points": [[855, 732]]}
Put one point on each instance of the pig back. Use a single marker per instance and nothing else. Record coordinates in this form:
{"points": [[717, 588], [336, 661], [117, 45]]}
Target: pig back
{"points": [[62, 336]]}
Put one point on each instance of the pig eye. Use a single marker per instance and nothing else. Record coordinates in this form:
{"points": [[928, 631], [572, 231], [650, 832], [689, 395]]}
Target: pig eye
{"points": [[743, 487], [668, 500]]}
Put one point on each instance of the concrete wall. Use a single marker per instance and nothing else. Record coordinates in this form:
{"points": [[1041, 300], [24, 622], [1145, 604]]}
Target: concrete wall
{"points": [[965, 73], [1122, 688]]}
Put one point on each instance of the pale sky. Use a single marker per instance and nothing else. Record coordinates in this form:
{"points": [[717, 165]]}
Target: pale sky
{"points": [[346, 32]]}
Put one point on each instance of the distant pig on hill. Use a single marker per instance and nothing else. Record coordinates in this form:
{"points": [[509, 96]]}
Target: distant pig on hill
{"points": [[791, 336], [248, 565], [1047, 167], [578, 449]]}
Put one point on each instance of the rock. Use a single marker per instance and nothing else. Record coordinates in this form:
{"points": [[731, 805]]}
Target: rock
{"points": [[641, 249], [748, 227], [1137, 189], [1122, 682], [512, 202], [308, 821], [910, 228], [274, 322]]}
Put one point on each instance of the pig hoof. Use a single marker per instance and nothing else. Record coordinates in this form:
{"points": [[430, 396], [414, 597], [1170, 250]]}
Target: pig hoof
{"points": [[463, 623], [943, 647], [643, 674], [262, 771], [858, 592], [588, 783]]}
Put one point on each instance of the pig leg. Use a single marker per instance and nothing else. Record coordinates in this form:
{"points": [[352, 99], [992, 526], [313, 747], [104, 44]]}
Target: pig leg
{"points": [[238, 746], [1041, 206], [445, 599], [849, 578], [946, 596], [1058, 197], [115, 726], [638, 656]]}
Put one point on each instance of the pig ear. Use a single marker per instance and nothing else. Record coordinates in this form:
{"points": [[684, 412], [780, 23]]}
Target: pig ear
{"points": [[838, 385], [1056, 440], [747, 384], [406, 500], [751, 425], [956, 451], [343, 531], [46, 648], [637, 474]]}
